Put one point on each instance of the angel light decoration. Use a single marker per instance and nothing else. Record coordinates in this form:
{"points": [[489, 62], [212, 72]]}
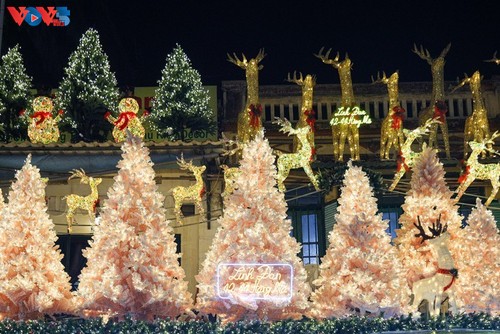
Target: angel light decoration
{"points": [[127, 120]]}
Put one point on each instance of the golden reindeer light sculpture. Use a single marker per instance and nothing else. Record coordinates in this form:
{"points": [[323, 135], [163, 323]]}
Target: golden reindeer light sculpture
{"points": [[407, 157], [230, 173], [392, 125], [249, 120], [476, 170], [477, 126], [437, 288], [87, 203], [342, 131], [299, 159], [194, 192], [438, 107], [307, 114]]}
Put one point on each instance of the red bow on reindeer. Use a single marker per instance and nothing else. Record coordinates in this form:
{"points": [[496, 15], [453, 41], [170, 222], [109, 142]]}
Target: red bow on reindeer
{"points": [[255, 112], [440, 110], [464, 175], [452, 272], [123, 119], [310, 120], [397, 117], [42, 116], [401, 162]]}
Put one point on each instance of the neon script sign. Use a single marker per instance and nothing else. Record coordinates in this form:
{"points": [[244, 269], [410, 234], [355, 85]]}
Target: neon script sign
{"points": [[350, 116], [51, 16], [265, 281]]}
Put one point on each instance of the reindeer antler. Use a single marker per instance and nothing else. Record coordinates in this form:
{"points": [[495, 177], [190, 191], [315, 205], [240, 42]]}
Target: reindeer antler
{"points": [[326, 58], [494, 59], [299, 81], [382, 79], [260, 55], [77, 173], [437, 228], [183, 164], [422, 232], [422, 53], [285, 124], [235, 60], [464, 81], [230, 142]]}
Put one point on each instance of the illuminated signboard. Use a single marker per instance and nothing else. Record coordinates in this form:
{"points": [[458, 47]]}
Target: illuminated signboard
{"points": [[350, 116], [252, 281]]}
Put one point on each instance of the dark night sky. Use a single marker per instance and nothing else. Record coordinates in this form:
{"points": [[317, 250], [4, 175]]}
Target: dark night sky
{"points": [[378, 35]]}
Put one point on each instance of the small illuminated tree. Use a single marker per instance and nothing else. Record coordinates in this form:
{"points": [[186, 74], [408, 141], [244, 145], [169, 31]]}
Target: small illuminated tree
{"points": [[181, 102], [478, 283], [253, 229], [132, 266], [33, 282], [15, 85], [360, 273], [87, 91]]}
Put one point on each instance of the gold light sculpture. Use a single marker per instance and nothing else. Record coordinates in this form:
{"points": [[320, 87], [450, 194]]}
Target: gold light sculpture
{"points": [[127, 120], [194, 192], [392, 125], [43, 127], [307, 114], [476, 170], [343, 131], [230, 175], [299, 159], [438, 108], [249, 120], [87, 203], [494, 59], [477, 127], [407, 157]]}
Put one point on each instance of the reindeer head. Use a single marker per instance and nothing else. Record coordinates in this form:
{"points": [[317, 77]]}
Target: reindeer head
{"points": [[438, 231], [474, 81], [196, 170], [437, 63], [485, 144], [346, 63], [249, 66]]}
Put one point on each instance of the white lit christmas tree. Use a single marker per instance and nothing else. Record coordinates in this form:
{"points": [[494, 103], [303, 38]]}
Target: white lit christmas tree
{"points": [[428, 198], [15, 85], [181, 102], [33, 282], [88, 90], [360, 273], [478, 283], [253, 231], [132, 266]]}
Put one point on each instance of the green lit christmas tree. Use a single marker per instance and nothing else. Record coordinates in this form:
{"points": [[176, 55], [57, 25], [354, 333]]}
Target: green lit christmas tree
{"points": [[15, 86], [181, 102], [87, 91]]}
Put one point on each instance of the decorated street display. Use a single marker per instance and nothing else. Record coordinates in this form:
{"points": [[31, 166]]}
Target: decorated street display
{"points": [[194, 192], [132, 266], [42, 125], [360, 273], [307, 115], [87, 90], [250, 118], [481, 255], [391, 133], [438, 108], [346, 121], [477, 126], [87, 203], [15, 85], [181, 101], [127, 120], [33, 282], [476, 170], [428, 201], [252, 270], [300, 159], [406, 156]]}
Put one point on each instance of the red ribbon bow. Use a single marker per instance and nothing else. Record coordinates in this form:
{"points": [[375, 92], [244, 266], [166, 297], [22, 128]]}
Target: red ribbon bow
{"points": [[401, 162], [255, 112], [95, 204], [202, 192], [452, 272], [464, 175], [440, 110], [42, 116], [313, 153], [310, 120], [397, 117], [124, 117]]}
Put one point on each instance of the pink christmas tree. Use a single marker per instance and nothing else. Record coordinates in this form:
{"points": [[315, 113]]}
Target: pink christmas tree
{"points": [[478, 283], [252, 270], [359, 273], [132, 268], [430, 199], [33, 282]]}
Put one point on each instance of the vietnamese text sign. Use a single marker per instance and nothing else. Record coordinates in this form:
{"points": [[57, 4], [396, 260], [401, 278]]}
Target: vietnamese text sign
{"points": [[350, 116], [271, 281]]}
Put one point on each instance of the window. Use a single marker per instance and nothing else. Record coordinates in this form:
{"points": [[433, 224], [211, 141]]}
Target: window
{"points": [[392, 215]]}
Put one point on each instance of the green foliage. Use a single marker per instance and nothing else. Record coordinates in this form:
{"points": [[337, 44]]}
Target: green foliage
{"points": [[479, 321], [87, 91], [332, 177], [15, 85], [181, 102]]}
